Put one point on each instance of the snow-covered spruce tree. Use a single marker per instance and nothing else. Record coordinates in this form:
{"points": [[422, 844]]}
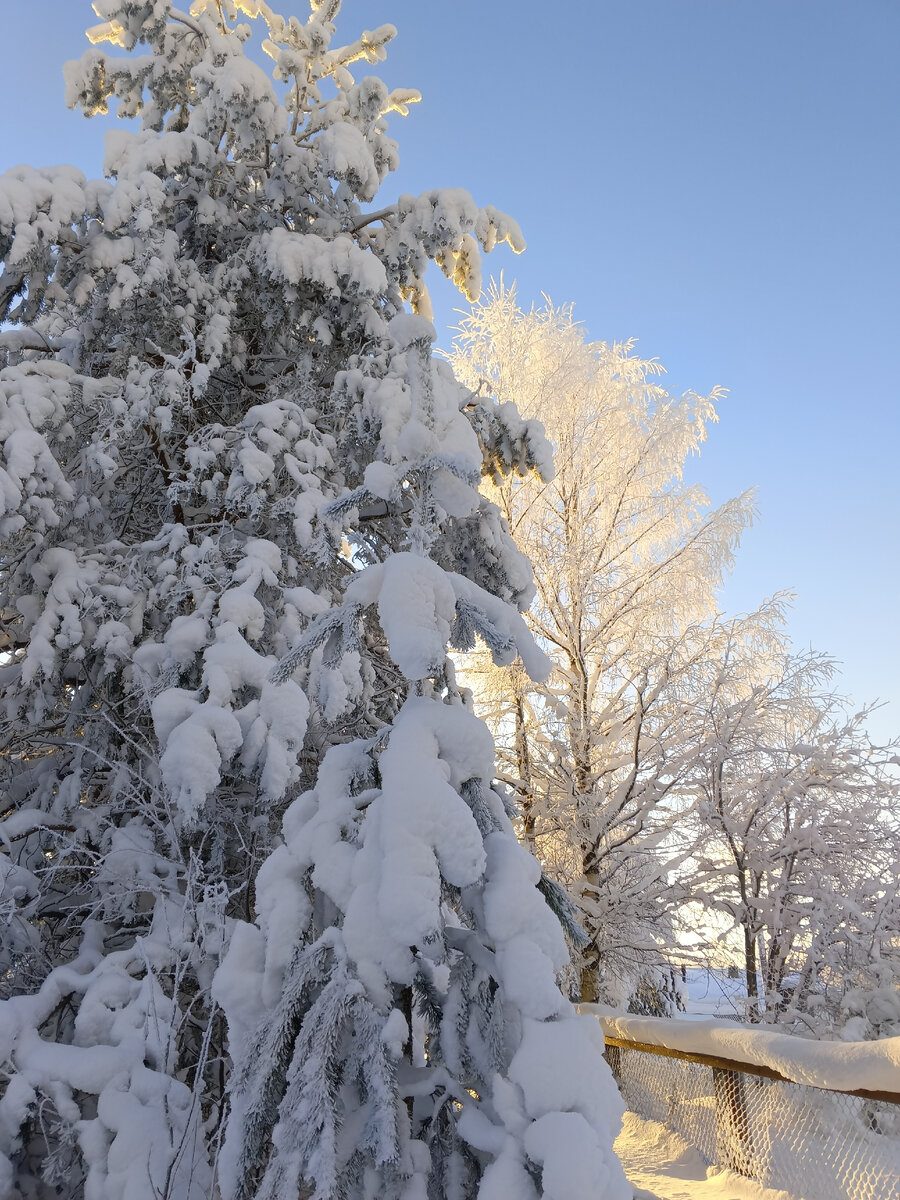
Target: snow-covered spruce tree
{"points": [[241, 525]]}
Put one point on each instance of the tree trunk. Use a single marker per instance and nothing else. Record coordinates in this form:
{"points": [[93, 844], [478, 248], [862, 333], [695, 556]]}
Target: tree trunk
{"points": [[589, 981], [750, 972], [523, 769]]}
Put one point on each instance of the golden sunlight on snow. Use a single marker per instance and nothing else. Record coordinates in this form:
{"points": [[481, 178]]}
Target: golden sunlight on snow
{"points": [[660, 1165]]}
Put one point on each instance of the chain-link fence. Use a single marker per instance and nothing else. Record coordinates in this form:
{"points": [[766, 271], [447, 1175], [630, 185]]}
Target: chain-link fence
{"points": [[812, 1143]]}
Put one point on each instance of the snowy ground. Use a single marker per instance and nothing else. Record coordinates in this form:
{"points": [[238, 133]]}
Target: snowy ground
{"points": [[660, 1165], [710, 993]]}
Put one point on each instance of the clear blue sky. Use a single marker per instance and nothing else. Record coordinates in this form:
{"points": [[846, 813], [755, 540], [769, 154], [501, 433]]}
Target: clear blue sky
{"points": [[718, 178]]}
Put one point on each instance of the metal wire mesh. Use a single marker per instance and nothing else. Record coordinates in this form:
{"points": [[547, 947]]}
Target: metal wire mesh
{"points": [[814, 1144]]}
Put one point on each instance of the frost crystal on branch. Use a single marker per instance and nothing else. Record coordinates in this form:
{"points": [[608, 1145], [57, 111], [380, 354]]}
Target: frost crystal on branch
{"points": [[267, 930]]}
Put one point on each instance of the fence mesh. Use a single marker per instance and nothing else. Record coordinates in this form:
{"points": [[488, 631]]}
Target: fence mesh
{"points": [[814, 1144]]}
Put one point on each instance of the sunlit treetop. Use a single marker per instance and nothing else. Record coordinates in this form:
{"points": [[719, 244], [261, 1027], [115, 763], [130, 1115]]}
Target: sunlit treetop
{"points": [[313, 155]]}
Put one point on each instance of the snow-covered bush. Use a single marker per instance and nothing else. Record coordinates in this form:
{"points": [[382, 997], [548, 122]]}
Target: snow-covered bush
{"points": [[871, 1010], [267, 930]]}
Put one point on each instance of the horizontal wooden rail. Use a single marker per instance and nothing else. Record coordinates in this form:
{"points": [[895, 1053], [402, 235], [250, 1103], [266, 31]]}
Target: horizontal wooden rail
{"points": [[744, 1068]]}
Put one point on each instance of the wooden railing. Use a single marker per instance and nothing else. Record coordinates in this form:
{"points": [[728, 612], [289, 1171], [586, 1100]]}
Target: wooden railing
{"points": [[817, 1143], [732, 1066]]}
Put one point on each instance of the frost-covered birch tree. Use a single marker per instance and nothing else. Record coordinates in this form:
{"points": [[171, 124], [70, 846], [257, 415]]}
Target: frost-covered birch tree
{"points": [[798, 842], [267, 930], [628, 558]]}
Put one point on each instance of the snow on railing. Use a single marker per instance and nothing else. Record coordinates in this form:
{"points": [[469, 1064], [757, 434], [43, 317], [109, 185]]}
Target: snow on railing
{"points": [[820, 1120]]}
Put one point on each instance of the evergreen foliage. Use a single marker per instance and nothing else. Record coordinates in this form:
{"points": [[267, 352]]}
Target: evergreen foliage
{"points": [[267, 928]]}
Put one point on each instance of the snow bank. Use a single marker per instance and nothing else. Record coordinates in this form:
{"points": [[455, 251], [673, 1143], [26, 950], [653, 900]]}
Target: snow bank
{"points": [[840, 1066], [661, 1165]]}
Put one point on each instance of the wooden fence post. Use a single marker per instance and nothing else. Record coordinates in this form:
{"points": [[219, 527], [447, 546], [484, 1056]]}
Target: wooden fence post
{"points": [[733, 1121], [613, 1056]]}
